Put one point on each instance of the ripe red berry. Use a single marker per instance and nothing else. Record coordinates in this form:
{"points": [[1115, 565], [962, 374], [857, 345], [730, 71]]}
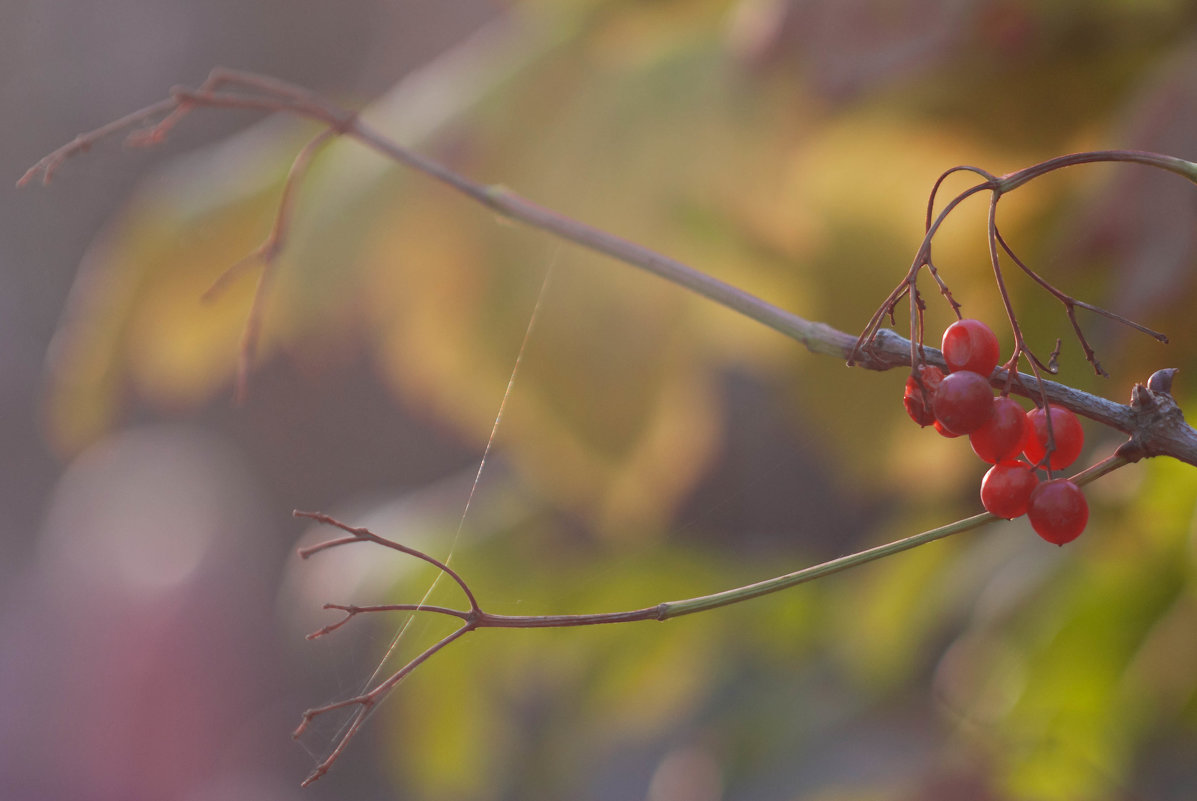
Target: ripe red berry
{"points": [[970, 345], [1058, 511], [1066, 428], [963, 402], [1007, 488], [1001, 438], [943, 432], [918, 399]]}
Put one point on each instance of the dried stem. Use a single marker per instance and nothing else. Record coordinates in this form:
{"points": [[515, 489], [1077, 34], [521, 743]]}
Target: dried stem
{"points": [[353, 610], [1181, 167], [999, 187], [48, 165], [271, 95]]}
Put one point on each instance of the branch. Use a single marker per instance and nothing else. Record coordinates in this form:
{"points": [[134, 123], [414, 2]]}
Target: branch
{"points": [[366, 703], [1172, 164], [365, 535], [475, 618], [875, 349], [267, 255]]}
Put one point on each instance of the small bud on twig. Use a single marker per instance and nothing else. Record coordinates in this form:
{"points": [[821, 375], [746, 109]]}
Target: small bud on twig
{"points": [[1161, 380]]}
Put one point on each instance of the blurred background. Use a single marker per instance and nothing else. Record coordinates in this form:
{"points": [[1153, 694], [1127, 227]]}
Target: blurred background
{"points": [[653, 447]]}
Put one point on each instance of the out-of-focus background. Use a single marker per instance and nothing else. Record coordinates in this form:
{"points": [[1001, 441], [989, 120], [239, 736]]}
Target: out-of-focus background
{"points": [[653, 447]]}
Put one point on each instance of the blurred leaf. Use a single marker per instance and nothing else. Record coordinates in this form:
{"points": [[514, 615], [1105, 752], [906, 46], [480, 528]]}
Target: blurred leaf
{"points": [[452, 716], [136, 324]]}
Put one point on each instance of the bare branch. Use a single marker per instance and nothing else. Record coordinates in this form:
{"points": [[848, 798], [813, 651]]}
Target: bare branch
{"points": [[1070, 302], [365, 535], [875, 348], [48, 165], [352, 610], [366, 703]]}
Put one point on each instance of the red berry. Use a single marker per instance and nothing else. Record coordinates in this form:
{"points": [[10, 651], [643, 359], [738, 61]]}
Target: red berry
{"points": [[963, 402], [918, 398], [943, 432], [1007, 488], [970, 345], [1000, 439], [1066, 429], [1058, 511]]}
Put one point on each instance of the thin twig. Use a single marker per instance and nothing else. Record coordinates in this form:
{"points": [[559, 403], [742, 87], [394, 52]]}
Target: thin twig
{"points": [[365, 534], [267, 255], [1069, 302], [998, 187], [865, 342], [48, 165], [366, 703], [353, 610]]}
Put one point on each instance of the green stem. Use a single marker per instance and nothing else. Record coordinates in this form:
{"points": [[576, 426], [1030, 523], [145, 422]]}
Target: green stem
{"points": [[678, 608], [729, 597], [1107, 465]]}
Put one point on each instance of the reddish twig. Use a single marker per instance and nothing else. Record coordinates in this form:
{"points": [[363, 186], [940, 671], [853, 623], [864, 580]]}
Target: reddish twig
{"points": [[48, 165], [472, 618], [267, 255], [364, 534], [366, 703], [998, 187]]}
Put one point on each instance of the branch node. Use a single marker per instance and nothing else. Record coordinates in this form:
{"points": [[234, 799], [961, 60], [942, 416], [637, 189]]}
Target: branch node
{"points": [[1157, 422]]}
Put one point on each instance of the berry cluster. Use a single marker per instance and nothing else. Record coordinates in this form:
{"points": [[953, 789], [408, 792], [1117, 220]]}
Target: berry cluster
{"points": [[962, 403]]}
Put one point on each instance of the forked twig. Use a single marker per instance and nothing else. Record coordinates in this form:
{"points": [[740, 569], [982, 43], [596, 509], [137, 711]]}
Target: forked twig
{"points": [[267, 255], [998, 187], [366, 703], [474, 617], [365, 535]]}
